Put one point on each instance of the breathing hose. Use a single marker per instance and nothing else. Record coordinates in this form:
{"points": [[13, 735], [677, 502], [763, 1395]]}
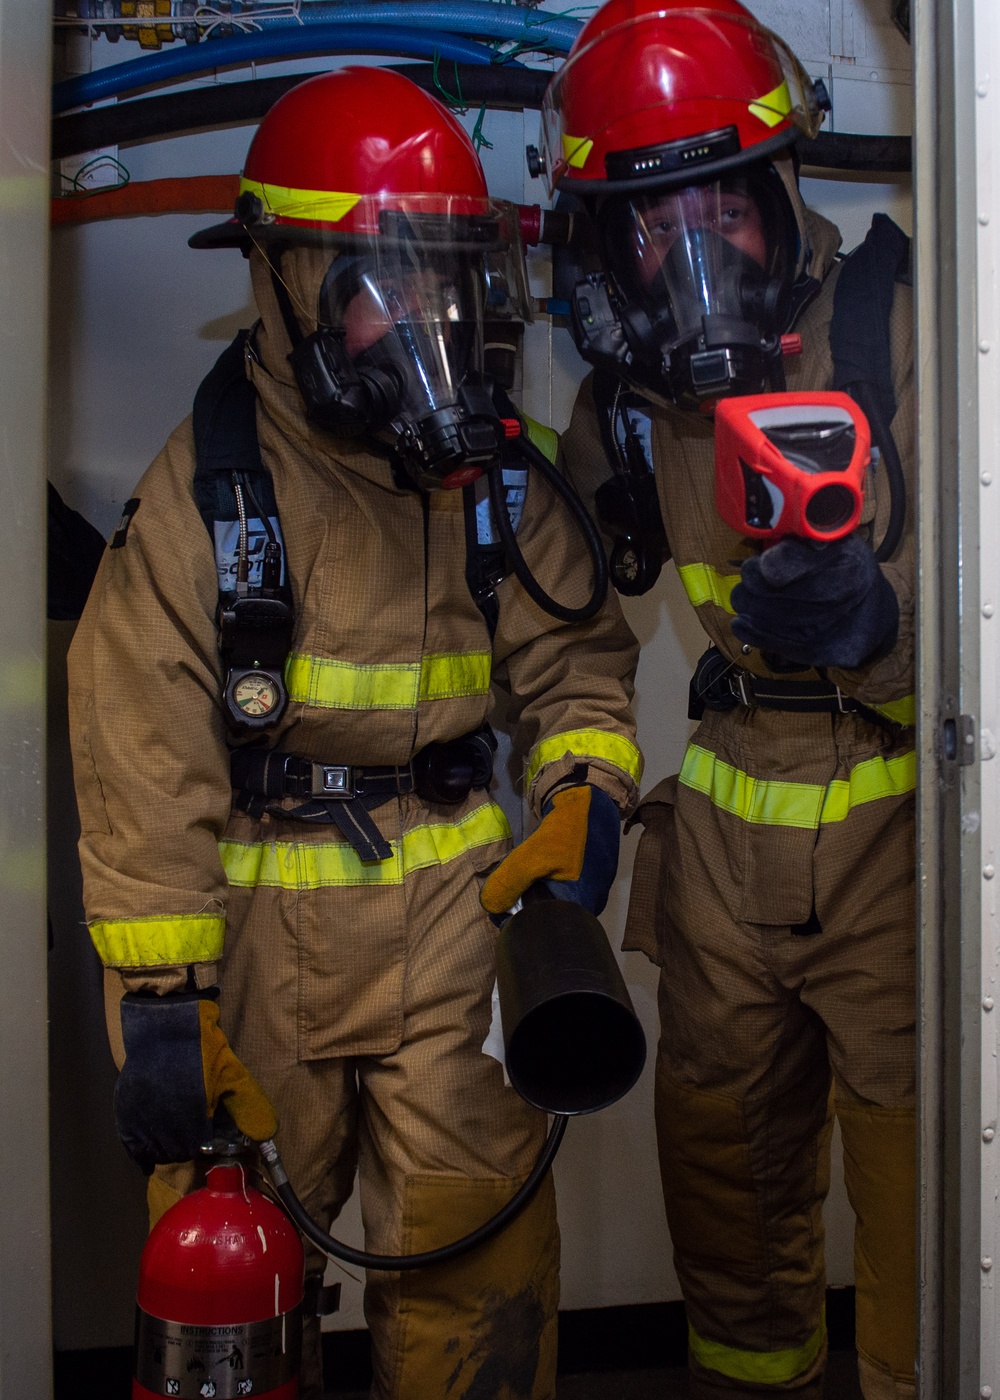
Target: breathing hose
{"points": [[868, 401], [588, 530], [295, 42], [393, 1263]]}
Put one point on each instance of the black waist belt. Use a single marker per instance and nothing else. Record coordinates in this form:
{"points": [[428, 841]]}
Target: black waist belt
{"points": [[339, 793], [719, 684], [345, 794]]}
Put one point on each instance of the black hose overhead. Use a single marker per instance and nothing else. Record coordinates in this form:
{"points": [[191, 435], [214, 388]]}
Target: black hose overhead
{"points": [[229, 104], [502, 89], [393, 1263]]}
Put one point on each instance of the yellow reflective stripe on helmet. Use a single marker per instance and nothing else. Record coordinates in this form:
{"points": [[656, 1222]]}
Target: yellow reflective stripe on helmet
{"points": [[545, 439], [771, 802], [899, 711], [161, 941], [774, 106], [338, 685], [587, 743], [576, 149], [302, 865], [758, 1367], [703, 584], [330, 206]]}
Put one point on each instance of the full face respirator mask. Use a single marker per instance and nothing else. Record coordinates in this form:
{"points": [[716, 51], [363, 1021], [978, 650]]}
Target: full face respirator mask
{"points": [[699, 285], [397, 352]]}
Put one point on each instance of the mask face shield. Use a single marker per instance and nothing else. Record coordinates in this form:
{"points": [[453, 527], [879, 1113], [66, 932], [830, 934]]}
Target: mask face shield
{"points": [[703, 277], [399, 314]]}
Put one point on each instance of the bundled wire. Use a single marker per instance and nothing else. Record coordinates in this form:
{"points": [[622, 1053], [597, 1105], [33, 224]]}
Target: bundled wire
{"points": [[412, 29]]}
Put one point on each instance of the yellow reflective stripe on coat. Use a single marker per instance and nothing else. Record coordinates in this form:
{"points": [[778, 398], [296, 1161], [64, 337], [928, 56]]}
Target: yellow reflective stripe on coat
{"points": [[330, 206], [159, 941], [771, 802], [312, 865], [545, 439], [758, 1367], [703, 584], [899, 711], [338, 685], [587, 743]]}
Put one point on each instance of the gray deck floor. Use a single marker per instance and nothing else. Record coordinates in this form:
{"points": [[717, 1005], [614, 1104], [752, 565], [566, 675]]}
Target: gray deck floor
{"points": [[841, 1384]]}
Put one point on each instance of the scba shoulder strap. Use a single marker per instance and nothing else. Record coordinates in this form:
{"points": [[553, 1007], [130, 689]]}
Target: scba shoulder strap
{"points": [[235, 495]]}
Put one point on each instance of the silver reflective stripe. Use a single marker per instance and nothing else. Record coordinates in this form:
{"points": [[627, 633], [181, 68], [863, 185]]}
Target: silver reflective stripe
{"points": [[217, 1363]]}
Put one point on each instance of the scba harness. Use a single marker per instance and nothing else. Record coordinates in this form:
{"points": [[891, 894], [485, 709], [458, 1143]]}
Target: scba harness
{"points": [[235, 495]]}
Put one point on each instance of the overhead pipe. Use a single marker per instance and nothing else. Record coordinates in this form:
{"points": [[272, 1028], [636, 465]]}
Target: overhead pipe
{"points": [[504, 87], [297, 42]]}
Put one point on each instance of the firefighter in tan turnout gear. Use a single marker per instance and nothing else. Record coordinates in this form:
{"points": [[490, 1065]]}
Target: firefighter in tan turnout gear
{"points": [[774, 883], [280, 691]]}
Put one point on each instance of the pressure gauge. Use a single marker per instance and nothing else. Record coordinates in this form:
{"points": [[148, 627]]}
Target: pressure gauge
{"points": [[255, 698]]}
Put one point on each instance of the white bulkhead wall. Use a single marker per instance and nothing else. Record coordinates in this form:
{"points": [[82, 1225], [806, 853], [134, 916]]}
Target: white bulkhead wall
{"points": [[138, 318]]}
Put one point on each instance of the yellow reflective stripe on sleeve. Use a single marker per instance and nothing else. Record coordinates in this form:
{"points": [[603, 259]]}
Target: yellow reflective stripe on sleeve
{"points": [[758, 1367], [311, 865], [774, 106], [587, 743], [576, 149], [338, 685], [703, 584], [329, 206], [899, 711], [545, 439], [770, 802], [166, 941]]}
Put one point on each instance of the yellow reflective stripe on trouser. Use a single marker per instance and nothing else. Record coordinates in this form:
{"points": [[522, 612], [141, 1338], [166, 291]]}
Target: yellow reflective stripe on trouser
{"points": [[329, 206], [770, 802], [312, 865], [588, 743], [338, 685], [703, 584], [899, 711], [759, 1367], [545, 439], [160, 941]]}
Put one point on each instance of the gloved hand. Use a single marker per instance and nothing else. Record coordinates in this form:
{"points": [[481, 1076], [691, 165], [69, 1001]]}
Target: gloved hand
{"points": [[178, 1067], [574, 850], [831, 606]]}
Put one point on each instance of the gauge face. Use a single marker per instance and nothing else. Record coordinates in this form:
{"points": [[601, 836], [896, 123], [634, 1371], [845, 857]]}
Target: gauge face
{"points": [[255, 696]]}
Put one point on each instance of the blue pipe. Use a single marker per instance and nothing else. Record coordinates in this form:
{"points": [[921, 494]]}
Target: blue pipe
{"points": [[298, 41], [480, 19]]}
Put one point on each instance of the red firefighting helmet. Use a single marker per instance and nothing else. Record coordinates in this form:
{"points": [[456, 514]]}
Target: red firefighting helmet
{"points": [[338, 152], [657, 94]]}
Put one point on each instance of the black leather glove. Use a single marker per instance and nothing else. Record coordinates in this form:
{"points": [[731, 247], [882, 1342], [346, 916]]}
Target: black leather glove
{"points": [[828, 606], [178, 1069]]}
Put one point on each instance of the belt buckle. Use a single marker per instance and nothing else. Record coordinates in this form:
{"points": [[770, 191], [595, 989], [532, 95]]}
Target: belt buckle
{"points": [[332, 780], [840, 701], [741, 686]]}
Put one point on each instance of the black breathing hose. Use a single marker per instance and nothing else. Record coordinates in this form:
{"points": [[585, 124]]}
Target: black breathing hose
{"points": [[588, 530], [867, 400], [394, 1263]]}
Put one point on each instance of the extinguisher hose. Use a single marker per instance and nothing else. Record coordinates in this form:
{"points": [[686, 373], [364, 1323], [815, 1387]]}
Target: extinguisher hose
{"points": [[394, 1263], [585, 525]]}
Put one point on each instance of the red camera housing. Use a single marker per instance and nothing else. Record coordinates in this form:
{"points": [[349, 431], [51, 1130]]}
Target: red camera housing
{"points": [[791, 464]]}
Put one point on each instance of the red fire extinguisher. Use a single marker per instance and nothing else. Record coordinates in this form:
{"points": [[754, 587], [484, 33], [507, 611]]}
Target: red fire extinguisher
{"points": [[220, 1297]]}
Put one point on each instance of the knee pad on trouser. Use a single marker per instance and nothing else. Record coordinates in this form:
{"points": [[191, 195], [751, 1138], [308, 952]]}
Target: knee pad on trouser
{"points": [[744, 1204], [484, 1324], [880, 1174]]}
